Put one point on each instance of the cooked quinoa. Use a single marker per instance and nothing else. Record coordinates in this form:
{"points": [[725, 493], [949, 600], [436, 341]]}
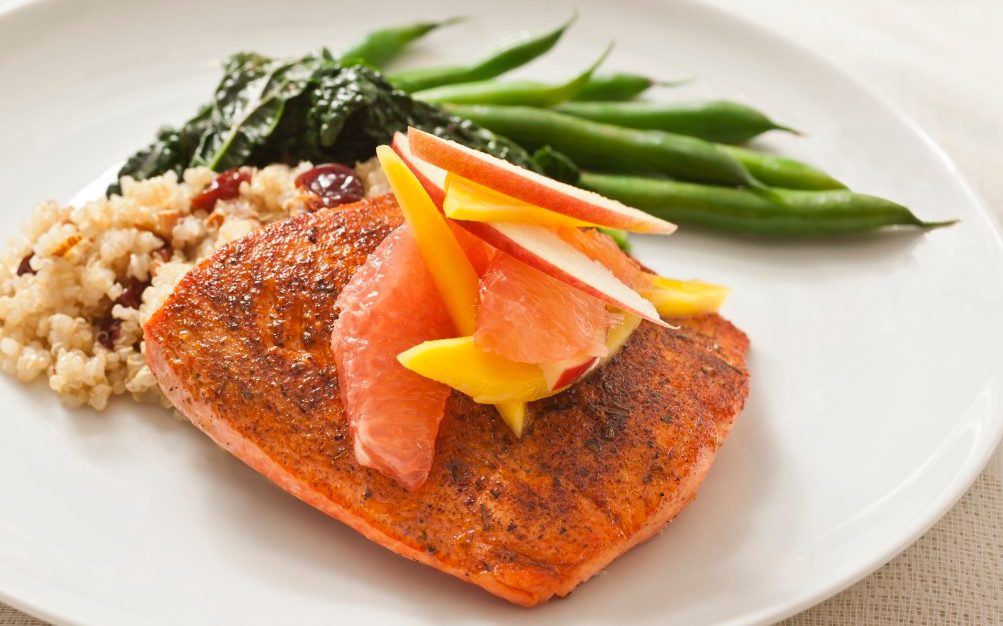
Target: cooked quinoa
{"points": [[78, 285]]}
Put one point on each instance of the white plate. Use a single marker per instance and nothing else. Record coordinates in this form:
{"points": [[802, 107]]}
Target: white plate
{"points": [[875, 361]]}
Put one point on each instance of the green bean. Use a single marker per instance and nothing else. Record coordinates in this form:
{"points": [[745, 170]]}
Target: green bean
{"points": [[718, 120], [618, 86], [522, 92], [522, 50], [791, 213], [778, 171], [604, 146], [381, 46]]}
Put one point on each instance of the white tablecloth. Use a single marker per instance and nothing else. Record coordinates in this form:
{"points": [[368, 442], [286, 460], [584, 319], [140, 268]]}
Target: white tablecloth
{"points": [[942, 63]]}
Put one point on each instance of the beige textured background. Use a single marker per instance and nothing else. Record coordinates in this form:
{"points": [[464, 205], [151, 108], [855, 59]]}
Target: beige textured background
{"points": [[942, 63]]}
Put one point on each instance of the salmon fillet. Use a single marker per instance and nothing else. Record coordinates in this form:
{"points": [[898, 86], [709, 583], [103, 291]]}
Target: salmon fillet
{"points": [[242, 348]]}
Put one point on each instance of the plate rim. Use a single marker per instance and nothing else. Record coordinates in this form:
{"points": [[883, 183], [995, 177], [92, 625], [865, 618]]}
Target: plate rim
{"points": [[964, 475]]}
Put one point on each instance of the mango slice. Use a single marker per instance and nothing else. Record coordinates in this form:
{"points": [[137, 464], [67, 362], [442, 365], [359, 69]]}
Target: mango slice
{"points": [[485, 377], [678, 298], [492, 379], [619, 334], [514, 415], [467, 200], [452, 272]]}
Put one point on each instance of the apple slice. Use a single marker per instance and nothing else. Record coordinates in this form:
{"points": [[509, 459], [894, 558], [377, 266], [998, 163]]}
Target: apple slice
{"points": [[432, 178], [531, 187], [561, 374], [543, 249], [537, 246]]}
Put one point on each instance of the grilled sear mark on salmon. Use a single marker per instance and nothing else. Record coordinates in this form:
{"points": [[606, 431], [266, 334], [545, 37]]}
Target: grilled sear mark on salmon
{"points": [[241, 347]]}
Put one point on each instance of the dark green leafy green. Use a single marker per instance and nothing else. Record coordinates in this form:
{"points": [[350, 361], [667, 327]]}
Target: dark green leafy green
{"points": [[312, 108], [170, 151], [556, 165], [248, 106]]}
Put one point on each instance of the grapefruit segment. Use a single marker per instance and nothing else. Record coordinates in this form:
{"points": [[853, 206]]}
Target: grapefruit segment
{"points": [[526, 316], [390, 304], [601, 248], [543, 249]]}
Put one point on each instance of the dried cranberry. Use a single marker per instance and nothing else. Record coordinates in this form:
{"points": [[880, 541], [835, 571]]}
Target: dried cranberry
{"points": [[25, 266], [110, 327], [165, 253], [112, 331], [331, 184], [226, 185], [132, 295]]}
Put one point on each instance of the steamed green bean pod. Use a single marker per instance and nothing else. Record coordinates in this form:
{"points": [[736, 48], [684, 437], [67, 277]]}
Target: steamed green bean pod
{"points": [[604, 146], [783, 172], [717, 120], [516, 53], [382, 46], [516, 92], [784, 213], [619, 86]]}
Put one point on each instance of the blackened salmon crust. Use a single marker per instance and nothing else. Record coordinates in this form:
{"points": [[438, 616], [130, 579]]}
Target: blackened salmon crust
{"points": [[242, 348]]}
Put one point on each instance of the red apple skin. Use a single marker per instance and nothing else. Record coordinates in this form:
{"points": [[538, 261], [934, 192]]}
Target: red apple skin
{"points": [[429, 174], [503, 242], [422, 171], [570, 374], [531, 187]]}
